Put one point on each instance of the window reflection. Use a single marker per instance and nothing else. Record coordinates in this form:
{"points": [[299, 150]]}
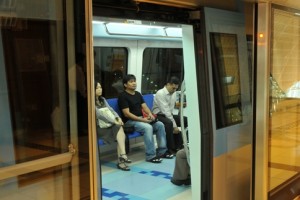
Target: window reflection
{"points": [[227, 92], [110, 66], [32, 81], [158, 65], [39, 80]]}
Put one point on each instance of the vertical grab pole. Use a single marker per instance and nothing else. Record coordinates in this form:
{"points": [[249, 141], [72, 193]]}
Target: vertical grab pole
{"points": [[184, 129]]}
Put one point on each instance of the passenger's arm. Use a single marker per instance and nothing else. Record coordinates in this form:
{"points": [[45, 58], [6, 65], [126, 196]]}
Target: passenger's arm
{"points": [[133, 117], [147, 111], [164, 107]]}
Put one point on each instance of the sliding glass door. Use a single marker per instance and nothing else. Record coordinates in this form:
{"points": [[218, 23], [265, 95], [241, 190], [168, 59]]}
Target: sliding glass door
{"points": [[44, 139]]}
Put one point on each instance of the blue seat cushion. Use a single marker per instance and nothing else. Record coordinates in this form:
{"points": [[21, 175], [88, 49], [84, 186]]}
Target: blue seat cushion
{"points": [[134, 135], [100, 142]]}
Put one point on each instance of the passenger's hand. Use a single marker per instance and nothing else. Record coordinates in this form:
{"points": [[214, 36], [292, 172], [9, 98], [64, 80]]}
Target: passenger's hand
{"points": [[119, 121], [176, 130], [147, 119], [177, 105], [151, 117]]}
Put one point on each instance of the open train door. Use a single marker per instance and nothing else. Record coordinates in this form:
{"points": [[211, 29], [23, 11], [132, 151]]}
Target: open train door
{"points": [[227, 64]]}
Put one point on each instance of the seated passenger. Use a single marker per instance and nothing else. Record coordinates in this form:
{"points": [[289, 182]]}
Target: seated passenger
{"points": [[131, 103], [109, 127], [181, 174], [163, 105]]}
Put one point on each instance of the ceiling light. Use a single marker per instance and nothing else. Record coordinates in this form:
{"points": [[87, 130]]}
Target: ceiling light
{"points": [[133, 29]]}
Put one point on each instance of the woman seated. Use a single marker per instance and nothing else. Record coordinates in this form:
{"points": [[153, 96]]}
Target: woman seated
{"points": [[109, 127]]}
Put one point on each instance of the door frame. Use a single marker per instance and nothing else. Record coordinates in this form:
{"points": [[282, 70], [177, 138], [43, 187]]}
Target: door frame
{"points": [[260, 182]]}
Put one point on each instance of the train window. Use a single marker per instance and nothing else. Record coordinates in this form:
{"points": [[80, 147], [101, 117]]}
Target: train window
{"points": [[226, 78], [110, 66], [158, 65]]}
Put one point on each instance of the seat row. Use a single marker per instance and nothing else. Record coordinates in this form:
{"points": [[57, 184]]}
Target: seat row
{"points": [[148, 98]]}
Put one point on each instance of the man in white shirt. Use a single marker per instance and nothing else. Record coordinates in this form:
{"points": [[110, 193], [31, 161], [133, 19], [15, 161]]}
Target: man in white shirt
{"points": [[163, 105]]}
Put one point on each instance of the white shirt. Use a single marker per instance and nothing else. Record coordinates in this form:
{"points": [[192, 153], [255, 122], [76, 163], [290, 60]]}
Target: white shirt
{"points": [[164, 103]]}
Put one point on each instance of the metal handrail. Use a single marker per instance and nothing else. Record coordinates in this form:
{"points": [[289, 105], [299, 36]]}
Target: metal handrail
{"points": [[184, 129], [36, 165]]}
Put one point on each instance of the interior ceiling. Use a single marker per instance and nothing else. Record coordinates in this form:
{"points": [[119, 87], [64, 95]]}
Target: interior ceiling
{"points": [[221, 4]]}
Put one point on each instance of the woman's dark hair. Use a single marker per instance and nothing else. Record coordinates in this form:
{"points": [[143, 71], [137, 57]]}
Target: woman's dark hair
{"points": [[99, 101], [128, 77]]}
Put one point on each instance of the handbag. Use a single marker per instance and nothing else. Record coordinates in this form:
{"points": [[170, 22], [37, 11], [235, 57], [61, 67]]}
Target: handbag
{"points": [[104, 124], [145, 115], [105, 112]]}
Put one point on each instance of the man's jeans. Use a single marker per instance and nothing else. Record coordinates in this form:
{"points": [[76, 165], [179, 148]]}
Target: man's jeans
{"points": [[148, 130]]}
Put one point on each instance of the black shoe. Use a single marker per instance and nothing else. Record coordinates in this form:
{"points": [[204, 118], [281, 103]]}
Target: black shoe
{"points": [[167, 155], [122, 165], [181, 182], [179, 147], [155, 160], [187, 181], [174, 151], [127, 160]]}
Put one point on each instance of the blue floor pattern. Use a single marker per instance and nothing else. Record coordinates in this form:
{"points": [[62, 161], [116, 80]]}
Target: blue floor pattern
{"points": [[145, 181]]}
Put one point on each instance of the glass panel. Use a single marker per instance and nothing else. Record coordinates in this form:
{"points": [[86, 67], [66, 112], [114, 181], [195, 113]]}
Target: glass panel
{"points": [[226, 77], [110, 66], [158, 65], [284, 104], [38, 104], [33, 89]]}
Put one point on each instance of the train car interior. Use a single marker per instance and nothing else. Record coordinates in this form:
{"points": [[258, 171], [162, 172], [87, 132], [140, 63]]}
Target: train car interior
{"points": [[152, 51]]}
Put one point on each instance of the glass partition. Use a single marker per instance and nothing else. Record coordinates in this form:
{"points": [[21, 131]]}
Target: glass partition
{"points": [[43, 101], [284, 121]]}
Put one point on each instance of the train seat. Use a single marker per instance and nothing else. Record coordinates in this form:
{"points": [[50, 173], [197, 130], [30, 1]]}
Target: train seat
{"points": [[148, 98]]}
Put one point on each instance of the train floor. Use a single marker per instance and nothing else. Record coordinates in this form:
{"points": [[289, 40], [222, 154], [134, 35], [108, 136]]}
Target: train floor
{"points": [[144, 180]]}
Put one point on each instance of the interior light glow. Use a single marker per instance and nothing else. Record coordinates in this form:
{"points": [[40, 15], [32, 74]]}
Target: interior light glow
{"points": [[298, 14], [228, 80], [133, 29], [261, 35]]}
